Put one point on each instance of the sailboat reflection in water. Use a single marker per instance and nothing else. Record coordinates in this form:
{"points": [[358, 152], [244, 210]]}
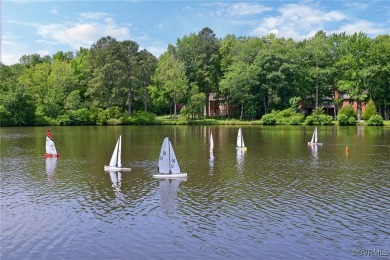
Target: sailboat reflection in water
{"points": [[116, 179], [169, 189], [51, 164], [211, 160], [240, 159]]}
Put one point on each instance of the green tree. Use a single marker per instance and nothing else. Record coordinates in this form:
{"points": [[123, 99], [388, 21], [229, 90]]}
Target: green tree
{"points": [[169, 79], [128, 66], [370, 110], [354, 63], [103, 70], [147, 65], [379, 72], [319, 62]]}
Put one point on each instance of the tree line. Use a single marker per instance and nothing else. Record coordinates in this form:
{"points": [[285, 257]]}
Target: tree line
{"points": [[113, 81]]}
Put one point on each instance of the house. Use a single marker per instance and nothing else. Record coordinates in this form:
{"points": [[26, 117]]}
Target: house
{"points": [[217, 106], [328, 104]]}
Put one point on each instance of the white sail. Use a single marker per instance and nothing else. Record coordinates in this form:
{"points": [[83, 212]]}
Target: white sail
{"points": [[211, 142], [313, 136], [50, 147], [120, 152], [240, 139], [114, 158], [168, 163]]}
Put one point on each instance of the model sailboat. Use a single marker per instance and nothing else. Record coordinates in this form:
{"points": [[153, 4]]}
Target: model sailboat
{"points": [[240, 140], [51, 150], [314, 138], [116, 159], [168, 166]]}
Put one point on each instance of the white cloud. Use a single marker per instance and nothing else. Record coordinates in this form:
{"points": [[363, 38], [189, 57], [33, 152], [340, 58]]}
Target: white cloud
{"points": [[156, 51], [82, 34], [245, 8], [12, 49], [297, 21], [369, 28], [357, 5]]}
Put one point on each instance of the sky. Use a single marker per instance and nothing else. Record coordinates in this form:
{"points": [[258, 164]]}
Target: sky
{"points": [[46, 27]]}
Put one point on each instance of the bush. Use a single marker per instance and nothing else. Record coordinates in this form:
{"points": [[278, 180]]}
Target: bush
{"points": [[296, 120], [343, 119], [269, 119], [82, 116], [348, 111], [309, 120], [375, 120], [140, 118], [325, 119], [352, 121], [370, 110]]}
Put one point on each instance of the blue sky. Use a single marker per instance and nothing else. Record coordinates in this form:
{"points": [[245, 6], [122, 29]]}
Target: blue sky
{"points": [[46, 27]]}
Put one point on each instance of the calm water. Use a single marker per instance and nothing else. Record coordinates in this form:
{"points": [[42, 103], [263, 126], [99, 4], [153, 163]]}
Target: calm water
{"points": [[279, 200]]}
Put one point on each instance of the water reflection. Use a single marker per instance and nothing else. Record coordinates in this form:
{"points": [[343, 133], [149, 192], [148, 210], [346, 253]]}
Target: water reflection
{"points": [[169, 188], [51, 164], [116, 179], [240, 159], [211, 162]]}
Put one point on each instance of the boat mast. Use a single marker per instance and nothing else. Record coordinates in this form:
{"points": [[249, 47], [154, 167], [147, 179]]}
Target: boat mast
{"points": [[169, 156]]}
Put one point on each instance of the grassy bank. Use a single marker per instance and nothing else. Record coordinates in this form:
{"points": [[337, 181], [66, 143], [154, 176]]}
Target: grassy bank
{"points": [[167, 120]]}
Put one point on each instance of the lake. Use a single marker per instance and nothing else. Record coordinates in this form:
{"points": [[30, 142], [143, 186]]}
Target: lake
{"points": [[281, 199]]}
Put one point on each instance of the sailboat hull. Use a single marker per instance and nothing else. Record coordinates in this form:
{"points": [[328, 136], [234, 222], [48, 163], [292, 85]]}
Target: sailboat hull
{"points": [[113, 168], [51, 155], [242, 148], [170, 176]]}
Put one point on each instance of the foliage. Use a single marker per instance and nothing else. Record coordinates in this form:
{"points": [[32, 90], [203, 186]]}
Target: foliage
{"points": [[309, 120], [296, 120], [317, 112], [370, 110], [269, 119], [17, 109], [375, 120], [325, 119], [345, 120], [257, 74], [82, 116], [141, 118], [348, 111], [284, 117]]}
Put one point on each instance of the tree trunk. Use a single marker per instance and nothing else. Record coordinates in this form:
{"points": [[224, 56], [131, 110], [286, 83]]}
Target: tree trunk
{"points": [[175, 110]]}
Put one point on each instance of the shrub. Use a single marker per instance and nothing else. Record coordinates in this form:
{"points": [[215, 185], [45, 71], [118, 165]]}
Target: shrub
{"points": [[325, 119], [370, 110], [309, 120], [317, 112], [375, 120], [352, 121], [348, 111], [343, 119], [269, 119], [140, 118], [296, 120]]}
